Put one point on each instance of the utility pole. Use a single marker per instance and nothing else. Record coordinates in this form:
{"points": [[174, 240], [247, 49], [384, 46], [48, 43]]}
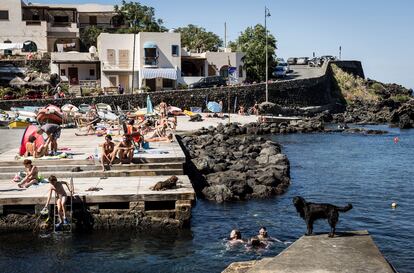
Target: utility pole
{"points": [[134, 24], [267, 14], [340, 52], [225, 35]]}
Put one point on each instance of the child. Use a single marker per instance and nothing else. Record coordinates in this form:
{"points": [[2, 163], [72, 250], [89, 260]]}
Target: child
{"points": [[107, 150], [32, 150], [57, 187], [31, 174]]}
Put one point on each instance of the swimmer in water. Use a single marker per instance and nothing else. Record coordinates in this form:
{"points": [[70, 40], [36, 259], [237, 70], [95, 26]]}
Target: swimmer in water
{"points": [[263, 236], [235, 237]]}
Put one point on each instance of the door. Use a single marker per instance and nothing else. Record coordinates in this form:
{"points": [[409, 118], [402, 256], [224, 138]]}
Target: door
{"points": [[110, 55], [151, 84], [124, 81], [73, 75], [123, 58], [93, 20], [112, 81]]}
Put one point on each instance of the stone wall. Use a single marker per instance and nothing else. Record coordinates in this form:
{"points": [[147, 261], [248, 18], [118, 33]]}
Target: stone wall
{"points": [[293, 93]]}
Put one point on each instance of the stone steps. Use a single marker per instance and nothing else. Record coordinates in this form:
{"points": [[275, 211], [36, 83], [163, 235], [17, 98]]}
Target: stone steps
{"points": [[99, 173], [94, 167], [78, 162]]}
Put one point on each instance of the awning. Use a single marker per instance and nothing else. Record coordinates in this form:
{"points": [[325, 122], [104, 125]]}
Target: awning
{"points": [[152, 73], [10, 46], [150, 45]]}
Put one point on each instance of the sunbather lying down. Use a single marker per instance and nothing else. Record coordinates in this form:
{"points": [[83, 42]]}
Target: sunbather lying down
{"points": [[155, 138]]}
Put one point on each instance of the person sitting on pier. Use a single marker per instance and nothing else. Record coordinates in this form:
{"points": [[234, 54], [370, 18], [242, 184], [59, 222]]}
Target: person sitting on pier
{"points": [[53, 133], [107, 150], [124, 150], [32, 150], [32, 175], [241, 110], [235, 237], [57, 187]]}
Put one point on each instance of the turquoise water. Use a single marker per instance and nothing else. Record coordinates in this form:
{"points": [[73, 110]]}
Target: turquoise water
{"points": [[371, 172]]}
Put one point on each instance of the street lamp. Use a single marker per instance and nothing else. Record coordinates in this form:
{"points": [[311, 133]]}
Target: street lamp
{"points": [[134, 24], [267, 14]]}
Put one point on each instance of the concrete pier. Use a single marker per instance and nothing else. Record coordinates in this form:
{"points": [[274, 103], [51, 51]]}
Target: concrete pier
{"points": [[350, 252], [123, 192]]}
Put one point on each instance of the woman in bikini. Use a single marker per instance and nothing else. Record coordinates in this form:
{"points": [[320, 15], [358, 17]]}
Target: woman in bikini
{"points": [[107, 150], [32, 174], [32, 150]]}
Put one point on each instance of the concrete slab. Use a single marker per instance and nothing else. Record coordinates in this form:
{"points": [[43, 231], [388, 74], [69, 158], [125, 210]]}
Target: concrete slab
{"points": [[112, 189], [351, 252]]}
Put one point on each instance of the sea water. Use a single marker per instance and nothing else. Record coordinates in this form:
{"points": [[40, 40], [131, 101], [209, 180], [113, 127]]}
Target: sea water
{"points": [[371, 172]]}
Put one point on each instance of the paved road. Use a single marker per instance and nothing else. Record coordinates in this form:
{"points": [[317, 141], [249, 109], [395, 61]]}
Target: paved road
{"points": [[303, 72]]}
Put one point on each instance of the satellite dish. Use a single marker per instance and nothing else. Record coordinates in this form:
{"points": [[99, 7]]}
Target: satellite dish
{"points": [[92, 50]]}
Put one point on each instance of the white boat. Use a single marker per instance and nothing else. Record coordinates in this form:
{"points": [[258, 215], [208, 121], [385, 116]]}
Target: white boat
{"points": [[69, 108], [108, 115], [103, 106]]}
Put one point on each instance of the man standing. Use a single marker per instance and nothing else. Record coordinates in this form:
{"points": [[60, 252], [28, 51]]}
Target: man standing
{"points": [[53, 133], [120, 89]]}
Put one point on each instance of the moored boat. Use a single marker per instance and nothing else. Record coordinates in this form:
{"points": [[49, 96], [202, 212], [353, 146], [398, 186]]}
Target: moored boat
{"points": [[17, 124], [50, 114]]}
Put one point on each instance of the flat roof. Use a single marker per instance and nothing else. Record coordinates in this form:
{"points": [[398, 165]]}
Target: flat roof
{"points": [[72, 57], [89, 7]]}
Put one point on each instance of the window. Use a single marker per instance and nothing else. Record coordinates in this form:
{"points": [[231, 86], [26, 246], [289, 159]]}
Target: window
{"points": [[91, 72], [240, 71], [4, 15], [167, 83], [61, 19], [174, 50], [63, 72]]}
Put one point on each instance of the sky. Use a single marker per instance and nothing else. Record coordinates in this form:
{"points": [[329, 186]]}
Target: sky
{"points": [[379, 33]]}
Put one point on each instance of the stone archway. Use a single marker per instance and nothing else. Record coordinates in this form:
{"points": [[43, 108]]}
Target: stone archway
{"points": [[224, 71], [29, 46]]}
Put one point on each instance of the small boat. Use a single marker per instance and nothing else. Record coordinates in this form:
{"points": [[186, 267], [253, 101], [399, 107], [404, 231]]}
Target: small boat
{"points": [[103, 106], [84, 108], [69, 108], [107, 115], [17, 124], [50, 114]]}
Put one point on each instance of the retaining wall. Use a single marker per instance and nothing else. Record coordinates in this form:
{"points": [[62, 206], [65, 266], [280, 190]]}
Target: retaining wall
{"points": [[292, 93]]}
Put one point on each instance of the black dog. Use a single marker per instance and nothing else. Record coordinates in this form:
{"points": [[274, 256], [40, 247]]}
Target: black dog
{"points": [[313, 211]]}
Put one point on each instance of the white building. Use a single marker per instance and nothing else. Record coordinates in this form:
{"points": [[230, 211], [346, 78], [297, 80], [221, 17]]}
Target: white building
{"points": [[159, 61], [51, 27]]}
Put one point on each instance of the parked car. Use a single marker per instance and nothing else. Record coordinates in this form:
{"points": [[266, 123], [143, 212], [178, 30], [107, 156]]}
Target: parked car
{"points": [[292, 60], [34, 95], [302, 60], [280, 72], [210, 81], [328, 58], [315, 62], [285, 66], [9, 96]]}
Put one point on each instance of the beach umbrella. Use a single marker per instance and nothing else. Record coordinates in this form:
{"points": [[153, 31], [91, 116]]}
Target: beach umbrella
{"points": [[38, 82], [149, 105], [214, 107], [17, 82]]}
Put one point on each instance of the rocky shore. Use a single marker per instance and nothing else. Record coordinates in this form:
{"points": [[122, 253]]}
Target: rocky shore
{"points": [[233, 162]]}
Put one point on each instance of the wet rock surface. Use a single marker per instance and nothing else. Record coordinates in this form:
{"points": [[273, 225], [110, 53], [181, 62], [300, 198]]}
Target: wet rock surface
{"points": [[235, 165]]}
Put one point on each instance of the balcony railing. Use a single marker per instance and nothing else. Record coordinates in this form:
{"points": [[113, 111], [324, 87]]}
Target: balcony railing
{"points": [[101, 25], [151, 61]]}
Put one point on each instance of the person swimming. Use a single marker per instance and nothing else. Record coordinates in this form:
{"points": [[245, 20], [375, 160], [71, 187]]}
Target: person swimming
{"points": [[235, 237]]}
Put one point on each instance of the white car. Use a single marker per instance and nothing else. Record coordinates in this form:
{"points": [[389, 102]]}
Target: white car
{"points": [[279, 72]]}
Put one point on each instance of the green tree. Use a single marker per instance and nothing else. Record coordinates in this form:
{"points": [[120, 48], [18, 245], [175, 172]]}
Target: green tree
{"points": [[197, 39], [89, 36], [138, 17], [252, 42]]}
